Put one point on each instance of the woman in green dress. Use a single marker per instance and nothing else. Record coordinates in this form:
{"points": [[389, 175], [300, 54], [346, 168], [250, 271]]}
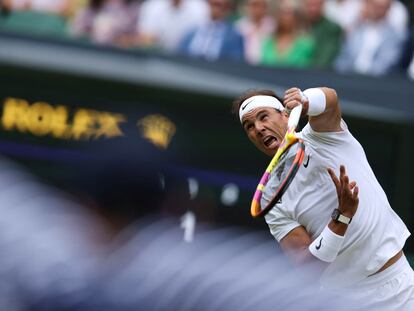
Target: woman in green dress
{"points": [[290, 45]]}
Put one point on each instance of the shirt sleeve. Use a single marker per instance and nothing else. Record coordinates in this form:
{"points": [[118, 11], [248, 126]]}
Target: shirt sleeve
{"points": [[280, 224], [279, 219], [329, 138]]}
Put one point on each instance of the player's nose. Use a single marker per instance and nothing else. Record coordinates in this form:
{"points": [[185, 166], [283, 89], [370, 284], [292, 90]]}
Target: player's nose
{"points": [[259, 127]]}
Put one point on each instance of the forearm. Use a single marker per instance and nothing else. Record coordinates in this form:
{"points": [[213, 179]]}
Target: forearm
{"points": [[320, 104], [296, 244], [327, 115]]}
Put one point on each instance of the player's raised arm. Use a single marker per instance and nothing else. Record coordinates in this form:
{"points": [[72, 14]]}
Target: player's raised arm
{"points": [[297, 243], [320, 104]]}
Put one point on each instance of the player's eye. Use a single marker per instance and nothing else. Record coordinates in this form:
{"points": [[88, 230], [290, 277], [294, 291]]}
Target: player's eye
{"points": [[248, 126], [263, 117]]}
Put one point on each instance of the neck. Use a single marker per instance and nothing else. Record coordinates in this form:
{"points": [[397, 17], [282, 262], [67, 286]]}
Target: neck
{"points": [[257, 21], [286, 31], [315, 20]]}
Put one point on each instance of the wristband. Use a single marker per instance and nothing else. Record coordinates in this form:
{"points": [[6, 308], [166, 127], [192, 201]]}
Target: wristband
{"points": [[317, 101], [327, 245]]}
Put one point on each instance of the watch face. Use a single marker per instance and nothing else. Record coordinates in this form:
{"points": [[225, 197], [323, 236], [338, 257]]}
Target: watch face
{"points": [[335, 214]]}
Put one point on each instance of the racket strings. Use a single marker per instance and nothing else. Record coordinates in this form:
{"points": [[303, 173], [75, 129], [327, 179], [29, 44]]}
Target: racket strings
{"points": [[281, 177]]}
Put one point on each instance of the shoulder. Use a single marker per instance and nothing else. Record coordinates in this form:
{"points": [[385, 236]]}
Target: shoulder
{"points": [[309, 135], [330, 25]]}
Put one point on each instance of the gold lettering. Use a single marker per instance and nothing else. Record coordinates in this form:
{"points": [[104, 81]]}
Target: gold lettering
{"points": [[59, 126], [39, 118], [109, 124], [42, 119], [15, 114], [84, 121]]}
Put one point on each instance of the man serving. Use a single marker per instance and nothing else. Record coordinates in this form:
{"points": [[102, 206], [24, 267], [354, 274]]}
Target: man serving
{"points": [[322, 217]]}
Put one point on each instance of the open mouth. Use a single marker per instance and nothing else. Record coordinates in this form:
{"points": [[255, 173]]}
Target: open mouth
{"points": [[270, 142]]}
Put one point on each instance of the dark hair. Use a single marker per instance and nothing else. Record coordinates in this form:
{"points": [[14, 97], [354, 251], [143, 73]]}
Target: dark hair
{"points": [[249, 93]]}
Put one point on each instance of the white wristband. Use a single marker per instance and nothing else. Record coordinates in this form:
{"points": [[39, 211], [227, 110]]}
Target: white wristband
{"points": [[317, 101], [327, 245]]}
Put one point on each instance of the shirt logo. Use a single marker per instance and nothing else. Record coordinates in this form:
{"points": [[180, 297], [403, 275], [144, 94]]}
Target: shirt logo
{"points": [[320, 244], [307, 162]]}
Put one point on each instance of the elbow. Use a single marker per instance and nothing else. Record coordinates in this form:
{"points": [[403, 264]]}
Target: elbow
{"points": [[330, 94]]}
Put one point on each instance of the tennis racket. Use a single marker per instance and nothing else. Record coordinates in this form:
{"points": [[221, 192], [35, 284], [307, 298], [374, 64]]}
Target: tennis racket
{"points": [[282, 168]]}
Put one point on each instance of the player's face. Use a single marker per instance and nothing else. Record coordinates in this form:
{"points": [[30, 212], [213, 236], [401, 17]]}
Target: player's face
{"points": [[266, 128]]}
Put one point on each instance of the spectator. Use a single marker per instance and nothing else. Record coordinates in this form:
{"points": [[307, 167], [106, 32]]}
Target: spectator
{"points": [[15, 5], [76, 6], [334, 10], [59, 7], [165, 22], [217, 38], [290, 45], [374, 46], [327, 34], [106, 21], [254, 27], [397, 15]]}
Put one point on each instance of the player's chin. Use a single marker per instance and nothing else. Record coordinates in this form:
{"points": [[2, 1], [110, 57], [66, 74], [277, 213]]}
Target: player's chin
{"points": [[270, 151]]}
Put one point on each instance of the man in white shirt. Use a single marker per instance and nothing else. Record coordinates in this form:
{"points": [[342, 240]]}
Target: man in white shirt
{"points": [[397, 15], [364, 258], [165, 22], [374, 45], [256, 24]]}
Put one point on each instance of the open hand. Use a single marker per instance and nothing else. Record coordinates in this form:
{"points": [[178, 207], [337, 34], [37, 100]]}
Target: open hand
{"points": [[347, 192]]}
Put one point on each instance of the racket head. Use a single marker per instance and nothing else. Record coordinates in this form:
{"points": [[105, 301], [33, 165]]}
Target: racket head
{"points": [[279, 179]]}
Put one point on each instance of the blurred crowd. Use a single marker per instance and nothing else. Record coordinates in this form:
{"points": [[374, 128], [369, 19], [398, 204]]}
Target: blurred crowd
{"points": [[363, 36]]}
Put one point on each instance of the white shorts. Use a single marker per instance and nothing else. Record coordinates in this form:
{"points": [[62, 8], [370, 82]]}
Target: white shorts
{"points": [[391, 289]]}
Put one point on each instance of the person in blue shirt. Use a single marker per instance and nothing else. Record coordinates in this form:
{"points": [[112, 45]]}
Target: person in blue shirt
{"points": [[217, 38]]}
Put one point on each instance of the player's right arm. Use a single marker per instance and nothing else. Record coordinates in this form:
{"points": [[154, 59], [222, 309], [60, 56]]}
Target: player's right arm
{"points": [[326, 116], [296, 243]]}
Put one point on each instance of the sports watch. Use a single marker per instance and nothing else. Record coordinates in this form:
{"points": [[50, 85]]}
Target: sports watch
{"points": [[337, 216]]}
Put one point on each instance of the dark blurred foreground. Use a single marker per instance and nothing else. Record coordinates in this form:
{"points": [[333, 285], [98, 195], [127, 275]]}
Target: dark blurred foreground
{"points": [[60, 254]]}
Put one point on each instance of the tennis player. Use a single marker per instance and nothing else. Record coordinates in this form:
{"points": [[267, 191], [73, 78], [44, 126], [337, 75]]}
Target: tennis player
{"points": [[349, 225]]}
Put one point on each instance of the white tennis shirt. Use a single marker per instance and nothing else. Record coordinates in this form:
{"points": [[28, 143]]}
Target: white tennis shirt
{"points": [[375, 234]]}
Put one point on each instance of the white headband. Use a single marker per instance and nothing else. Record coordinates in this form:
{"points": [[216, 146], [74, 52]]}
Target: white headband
{"points": [[258, 101]]}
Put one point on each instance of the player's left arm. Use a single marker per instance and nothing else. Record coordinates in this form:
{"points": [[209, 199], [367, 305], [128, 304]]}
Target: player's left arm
{"points": [[320, 104], [297, 243]]}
